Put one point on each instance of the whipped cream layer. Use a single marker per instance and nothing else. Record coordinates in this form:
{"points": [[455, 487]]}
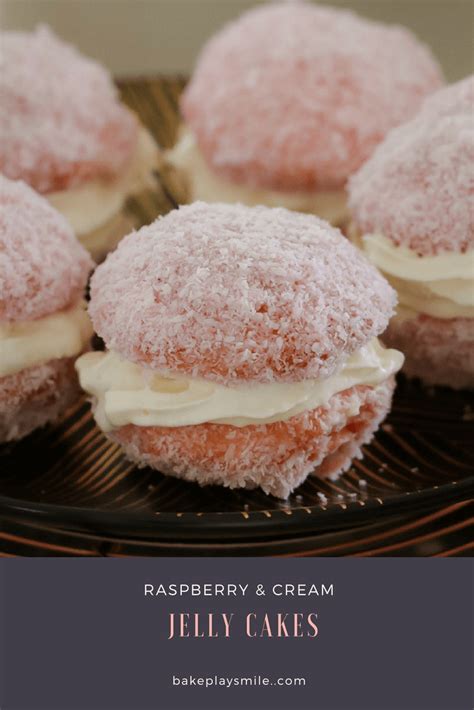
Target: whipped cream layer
{"points": [[28, 343], [441, 286], [93, 204], [126, 393], [204, 184]]}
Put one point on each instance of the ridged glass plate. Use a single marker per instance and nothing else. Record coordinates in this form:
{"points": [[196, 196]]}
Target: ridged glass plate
{"points": [[72, 476]]}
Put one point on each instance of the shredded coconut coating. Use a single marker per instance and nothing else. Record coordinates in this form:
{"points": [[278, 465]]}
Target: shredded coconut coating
{"points": [[294, 96], [452, 100], [61, 122], [276, 457], [232, 293], [36, 396], [439, 351], [417, 189], [43, 268]]}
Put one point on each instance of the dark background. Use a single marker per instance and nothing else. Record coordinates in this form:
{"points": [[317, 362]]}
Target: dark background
{"points": [[80, 635]]}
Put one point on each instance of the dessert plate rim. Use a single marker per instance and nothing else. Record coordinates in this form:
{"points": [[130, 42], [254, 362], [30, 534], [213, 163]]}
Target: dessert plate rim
{"points": [[195, 524]]}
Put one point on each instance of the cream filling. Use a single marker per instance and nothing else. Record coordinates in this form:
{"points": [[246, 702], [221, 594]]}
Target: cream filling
{"points": [[28, 343], [126, 393], [93, 204], [441, 286], [206, 185]]}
